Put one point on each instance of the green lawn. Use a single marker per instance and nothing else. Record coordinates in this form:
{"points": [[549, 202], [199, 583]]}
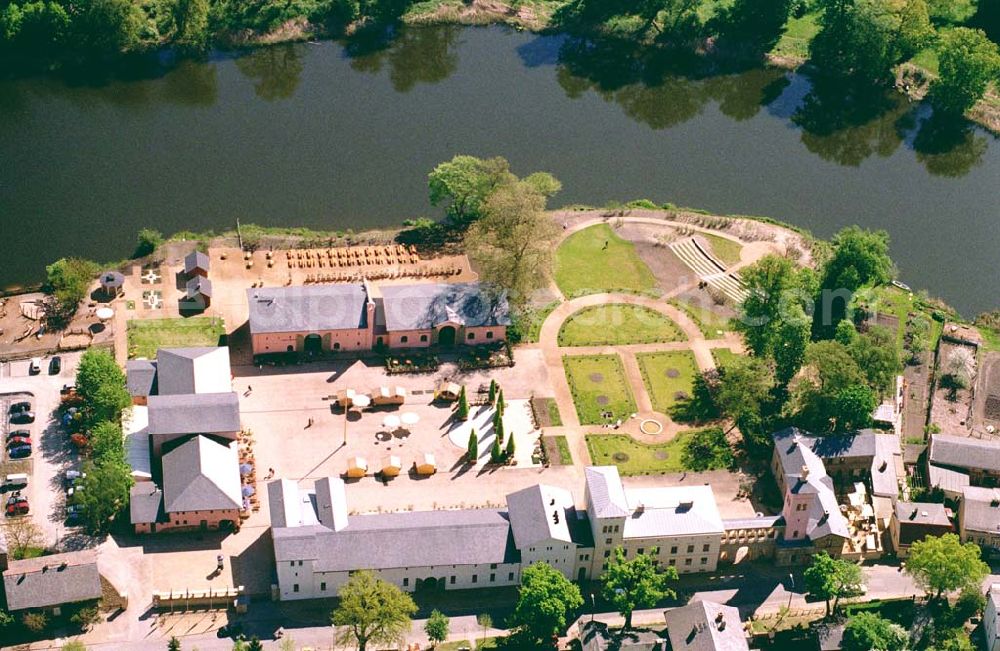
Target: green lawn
{"points": [[895, 301], [585, 266], [529, 322], [146, 336], [726, 250], [798, 32], [562, 445], [723, 356], [710, 323], [618, 324], [488, 643], [634, 458], [666, 375], [598, 384]]}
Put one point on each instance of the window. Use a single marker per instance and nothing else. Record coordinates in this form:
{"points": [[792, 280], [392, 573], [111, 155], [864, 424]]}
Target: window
{"points": [[800, 507], [607, 553], [510, 576], [322, 586], [687, 561], [616, 528], [606, 529], [704, 561], [673, 561], [336, 345], [295, 587], [607, 541], [690, 549], [452, 579], [705, 548], [291, 563], [640, 550], [423, 338], [673, 550], [404, 339], [493, 566], [795, 534], [475, 578], [493, 577], [406, 581], [489, 334], [472, 335]]}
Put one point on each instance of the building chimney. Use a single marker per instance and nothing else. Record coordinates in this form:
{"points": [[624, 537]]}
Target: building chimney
{"points": [[718, 617], [722, 624], [805, 473], [913, 516]]}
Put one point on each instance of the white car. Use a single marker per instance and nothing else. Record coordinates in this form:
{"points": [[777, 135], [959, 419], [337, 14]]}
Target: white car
{"points": [[36, 366]]}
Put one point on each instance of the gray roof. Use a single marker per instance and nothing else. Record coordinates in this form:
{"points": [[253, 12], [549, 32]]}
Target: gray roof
{"points": [[145, 503], [54, 580], [393, 540], [428, 305], [980, 509], [795, 453], [946, 479], [672, 511], [198, 285], [964, 452], [920, 519], [112, 279], [201, 475], [763, 522], [195, 260], [705, 626], [307, 309], [140, 377], [540, 513], [830, 636], [993, 603], [202, 413], [607, 496], [203, 369]]}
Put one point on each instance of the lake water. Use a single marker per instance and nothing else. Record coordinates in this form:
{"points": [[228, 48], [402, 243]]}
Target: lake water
{"points": [[330, 136]]}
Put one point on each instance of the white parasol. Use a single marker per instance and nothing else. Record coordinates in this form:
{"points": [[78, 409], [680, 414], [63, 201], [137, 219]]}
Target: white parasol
{"points": [[361, 401], [391, 422], [105, 313], [409, 418]]}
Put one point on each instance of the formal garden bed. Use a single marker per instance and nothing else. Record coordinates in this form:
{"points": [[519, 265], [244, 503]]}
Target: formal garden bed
{"points": [[411, 363], [546, 412], [557, 450], [723, 356], [708, 321], [695, 450], [496, 355], [147, 336], [725, 250], [668, 376], [599, 387], [618, 324], [596, 260]]}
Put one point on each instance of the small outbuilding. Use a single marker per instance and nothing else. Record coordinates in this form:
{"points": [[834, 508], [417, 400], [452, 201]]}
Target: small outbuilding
{"points": [[198, 293], [447, 390], [112, 283], [389, 396], [196, 263], [426, 465], [357, 467], [392, 467]]}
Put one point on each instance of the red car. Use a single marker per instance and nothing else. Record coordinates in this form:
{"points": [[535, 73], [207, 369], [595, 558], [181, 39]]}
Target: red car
{"points": [[17, 506], [18, 440]]}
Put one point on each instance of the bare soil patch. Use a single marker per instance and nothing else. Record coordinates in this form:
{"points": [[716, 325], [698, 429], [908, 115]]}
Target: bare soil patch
{"points": [[596, 378], [602, 400], [673, 372]]}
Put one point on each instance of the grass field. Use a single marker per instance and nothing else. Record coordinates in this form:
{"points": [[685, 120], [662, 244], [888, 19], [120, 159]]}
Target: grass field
{"points": [[723, 356], [634, 458], [666, 375], [726, 250], [146, 336], [585, 266], [598, 384], [794, 42], [710, 323], [530, 322], [618, 324]]}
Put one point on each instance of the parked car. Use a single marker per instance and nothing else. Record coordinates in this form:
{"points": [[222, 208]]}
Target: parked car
{"points": [[74, 513], [17, 432], [22, 417], [73, 492], [67, 389], [55, 365], [35, 367], [18, 407], [19, 452], [18, 440], [17, 505], [72, 476]]}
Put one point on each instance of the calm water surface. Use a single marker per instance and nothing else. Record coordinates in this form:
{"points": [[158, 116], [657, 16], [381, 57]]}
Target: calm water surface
{"points": [[334, 137]]}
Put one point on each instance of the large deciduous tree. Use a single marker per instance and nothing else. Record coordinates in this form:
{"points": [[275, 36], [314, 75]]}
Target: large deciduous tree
{"points": [[546, 598], [870, 632], [372, 611], [462, 185], [67, 281], [101, 383], [859, 258], [104, 493], [636, 583], [942, 564], [744, 386], [968, 60], [436, 627], [832, 578]]}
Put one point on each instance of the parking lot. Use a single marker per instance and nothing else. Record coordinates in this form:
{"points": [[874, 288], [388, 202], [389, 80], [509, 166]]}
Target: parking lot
{"points": [[51, 452]]}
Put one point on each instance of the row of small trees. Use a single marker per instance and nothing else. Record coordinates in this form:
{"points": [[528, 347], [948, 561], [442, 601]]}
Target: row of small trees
{"points": [[499, 452]]}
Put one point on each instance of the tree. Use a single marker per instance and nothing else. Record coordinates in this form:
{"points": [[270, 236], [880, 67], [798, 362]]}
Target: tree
{"points": [[942, 564], [67, 281], [878, 358], [968, 60], [101, 383], [463, 184], [150, 239], [35, 621], [744, 386], [859, 258], [485, 622], [473, 451], [436, 627], [496, 453], [852, 407], [6, 619], [498, 424], [636, 583], [510, 447], [174, 644], [501, 403], [707, 449], [372, 610], [86, 617], [512, 243], [23, 536], [255, 644], [462, 411], [493, 391], [74, 645], [755, 26], [545, 599], [107, 442], [832, 578], [104, 494], [108, 26], [869, 632], [191, 19]]}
